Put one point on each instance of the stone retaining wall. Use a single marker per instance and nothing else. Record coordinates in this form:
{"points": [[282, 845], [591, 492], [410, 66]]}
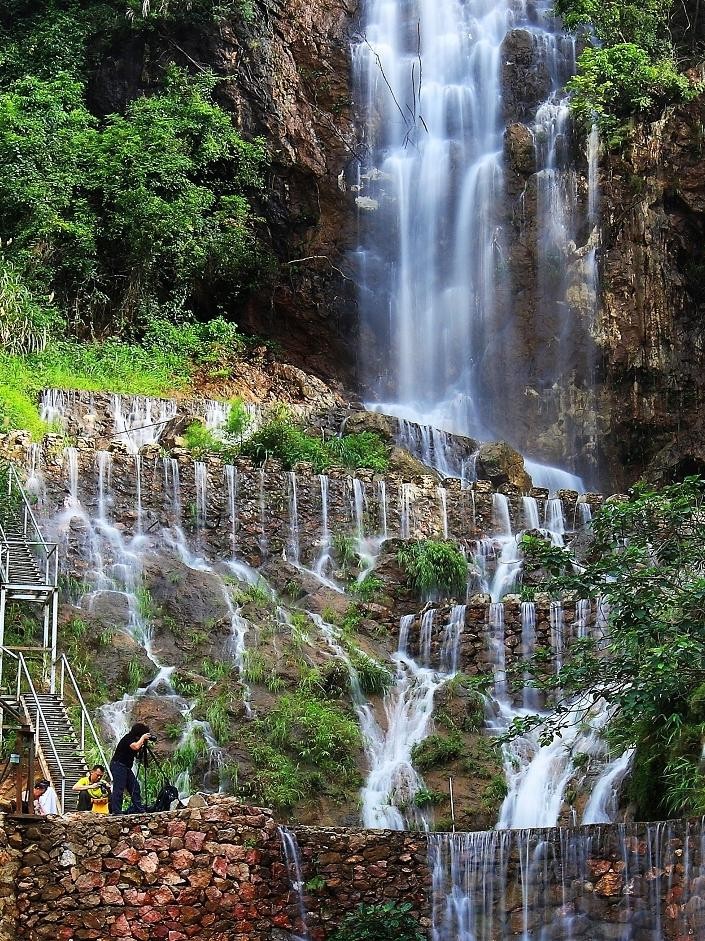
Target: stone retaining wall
{"points": [[218, 873], [262, 499]]}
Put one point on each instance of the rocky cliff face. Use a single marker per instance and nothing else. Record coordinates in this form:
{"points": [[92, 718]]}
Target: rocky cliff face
{"points": [[630, 395], [627, 398], [650, 332], [285, 77]]}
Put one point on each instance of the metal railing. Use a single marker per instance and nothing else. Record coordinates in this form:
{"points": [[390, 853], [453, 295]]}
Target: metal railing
{"points": [[86, 721], [45, 554], [41, 722]]}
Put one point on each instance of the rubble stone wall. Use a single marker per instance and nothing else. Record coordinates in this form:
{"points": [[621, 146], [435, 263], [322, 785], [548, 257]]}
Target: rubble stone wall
{"points": [[217, 872]]}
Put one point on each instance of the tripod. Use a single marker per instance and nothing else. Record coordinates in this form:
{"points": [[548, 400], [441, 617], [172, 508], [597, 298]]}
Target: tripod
{"points": [[165, 792]]}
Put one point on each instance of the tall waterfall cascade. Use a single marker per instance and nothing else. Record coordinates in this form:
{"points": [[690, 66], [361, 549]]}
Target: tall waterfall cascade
{"points": [[476, 264]]}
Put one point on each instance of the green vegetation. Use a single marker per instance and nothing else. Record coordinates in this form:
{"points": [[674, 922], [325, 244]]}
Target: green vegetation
{"points": [[434, 567], [427, 798], [367, 589], [390, 921], [277, 780], [315, 731], [167, 359], [285, 440], [135, 226], [631, 69], [647, 563], [437, 750]]}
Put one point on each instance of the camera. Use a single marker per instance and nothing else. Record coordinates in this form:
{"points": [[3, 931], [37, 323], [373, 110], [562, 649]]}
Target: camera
{"points": [[152, 737], [105, 788]]}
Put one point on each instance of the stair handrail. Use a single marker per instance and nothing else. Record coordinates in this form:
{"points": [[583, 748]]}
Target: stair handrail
{"points": [[41, 718], [85, 714], [30, 522]]}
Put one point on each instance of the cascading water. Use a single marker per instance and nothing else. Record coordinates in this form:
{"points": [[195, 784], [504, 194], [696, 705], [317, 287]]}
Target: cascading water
{"points": [[435, 84], [536, 885], [292, 858], [293, 548]]}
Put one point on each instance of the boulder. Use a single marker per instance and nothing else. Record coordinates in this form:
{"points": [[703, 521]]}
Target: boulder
{"points": [[526, 78], [499, 463], [407, 466], [519, 151], [383, 425]]}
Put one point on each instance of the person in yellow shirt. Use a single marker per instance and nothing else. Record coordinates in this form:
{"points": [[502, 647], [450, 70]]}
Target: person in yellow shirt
{"points": [[94, 792]]}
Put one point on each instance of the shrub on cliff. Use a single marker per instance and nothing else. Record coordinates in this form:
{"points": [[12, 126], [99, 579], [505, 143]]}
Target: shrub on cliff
{"points": [[434, 568], [631, 68], [284, 440], [391, 921], [647, 568]]}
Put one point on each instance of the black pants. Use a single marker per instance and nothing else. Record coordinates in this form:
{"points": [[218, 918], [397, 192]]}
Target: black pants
{"points": [[125, 780]]}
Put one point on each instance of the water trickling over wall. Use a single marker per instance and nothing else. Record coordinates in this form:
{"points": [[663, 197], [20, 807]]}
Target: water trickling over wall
{"points": [[462, 337]]}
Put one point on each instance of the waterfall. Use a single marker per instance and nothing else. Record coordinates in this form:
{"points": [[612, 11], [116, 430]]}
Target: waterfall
{"points": [[293, 547], [72, 465], [509, 562], [144, 421], [113, 563], [435, 83], [324, 559], [528, 648], [603, 804], [405, 500], [201, 479], [557, 620], [34, 484], [443, 500], [531, 513], [216, 415], [52, 408], [450, 650], [230, 474], [427, 621], [392, 781], [584, 514], [583, 611], [536, 885], [497, 646], [292, 858], [555, 521], [382, 497]]}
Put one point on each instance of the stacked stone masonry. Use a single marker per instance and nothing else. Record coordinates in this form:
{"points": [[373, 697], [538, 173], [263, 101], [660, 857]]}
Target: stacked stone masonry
{"points": [[217, 873]]}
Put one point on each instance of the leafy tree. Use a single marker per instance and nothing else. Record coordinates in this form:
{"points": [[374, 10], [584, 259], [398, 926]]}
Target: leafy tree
{"points": [[647, 567], [146, 213], [630, 69], [614, 22], [615, 82], [390, 921]]}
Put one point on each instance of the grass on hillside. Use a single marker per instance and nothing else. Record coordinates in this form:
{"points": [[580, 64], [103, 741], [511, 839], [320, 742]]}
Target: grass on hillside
{"points": [[164, 362], [112, 366]]}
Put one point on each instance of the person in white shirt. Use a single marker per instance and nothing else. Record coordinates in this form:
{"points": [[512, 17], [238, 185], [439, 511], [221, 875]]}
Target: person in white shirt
{"points": [[45, 800]]}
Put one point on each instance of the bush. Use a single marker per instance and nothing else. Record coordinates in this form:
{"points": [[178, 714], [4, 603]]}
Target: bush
{"points": [[437, 750], [200, 440], [277, 781], [631, 69], [619, 81], [390, 921], [281, 438], [315, 731], [434, 567], [147, 211]]}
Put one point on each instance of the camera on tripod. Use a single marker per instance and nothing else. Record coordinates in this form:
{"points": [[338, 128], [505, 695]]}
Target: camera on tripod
{"points": [[152, 737]]}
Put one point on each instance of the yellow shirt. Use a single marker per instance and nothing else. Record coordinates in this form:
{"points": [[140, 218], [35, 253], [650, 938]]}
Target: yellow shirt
{"points": [[99, 799]]}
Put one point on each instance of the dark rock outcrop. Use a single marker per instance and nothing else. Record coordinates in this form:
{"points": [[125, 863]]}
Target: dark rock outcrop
{"points": [[499, 463]]}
